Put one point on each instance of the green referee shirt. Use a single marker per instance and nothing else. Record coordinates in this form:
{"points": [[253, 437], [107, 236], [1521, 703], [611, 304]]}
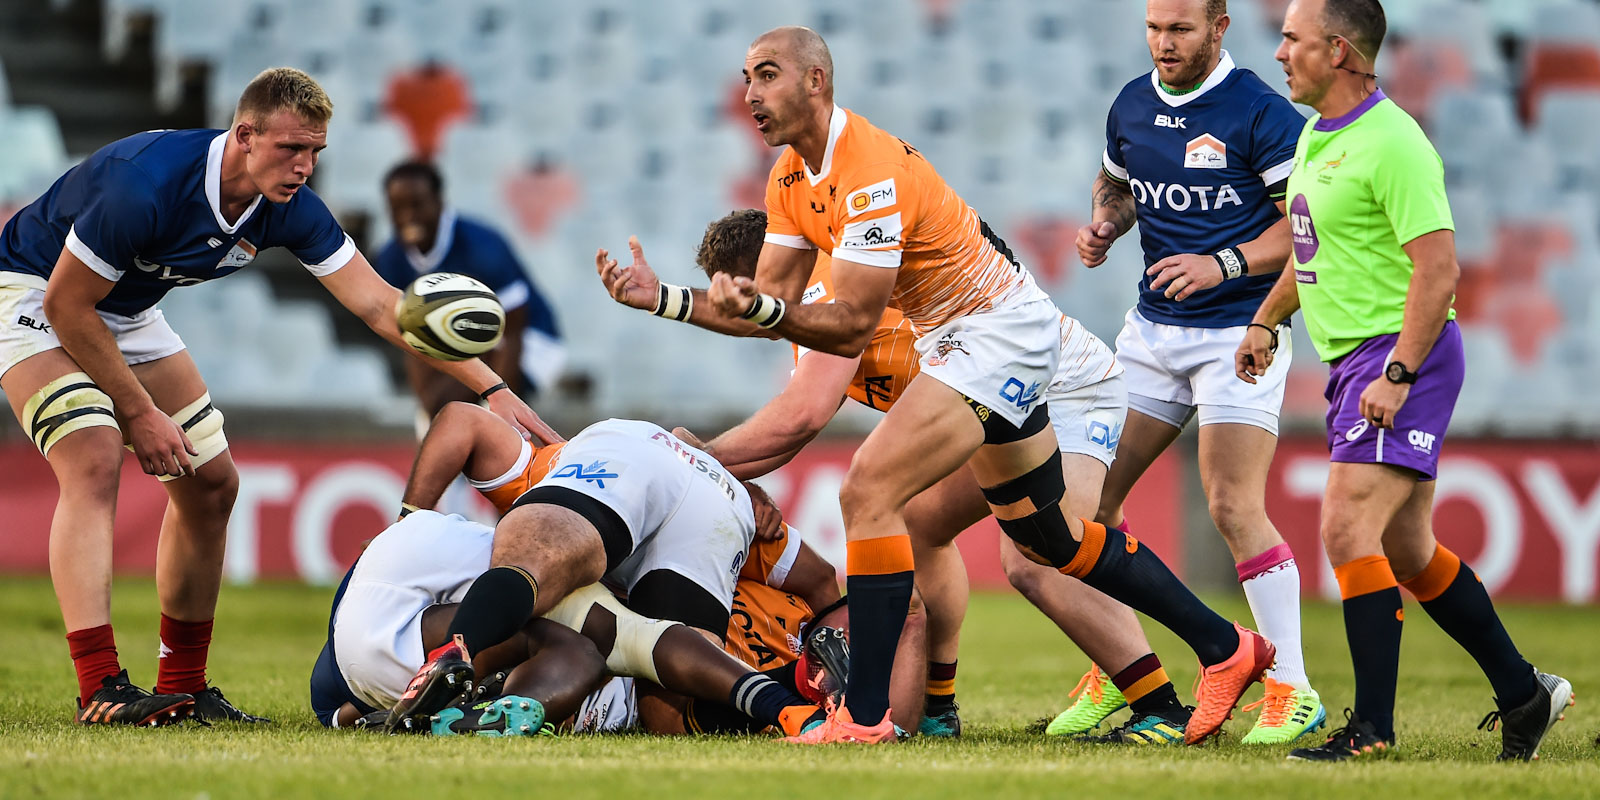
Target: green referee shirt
{"points": [[1363, 185]]}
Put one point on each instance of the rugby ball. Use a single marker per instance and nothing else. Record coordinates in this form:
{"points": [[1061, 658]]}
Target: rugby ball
{"points": [[449, 316]]}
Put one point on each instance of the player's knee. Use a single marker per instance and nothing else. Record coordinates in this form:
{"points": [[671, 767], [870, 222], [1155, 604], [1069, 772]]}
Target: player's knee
{"points": [[455, 417], [1028, 509], [1235, 512], [1024, 574], [219, 487], [88, 465], [865, 494]]}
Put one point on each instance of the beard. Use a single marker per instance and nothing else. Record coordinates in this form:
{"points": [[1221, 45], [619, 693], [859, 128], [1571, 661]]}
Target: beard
{"points": [[1194, 70]]}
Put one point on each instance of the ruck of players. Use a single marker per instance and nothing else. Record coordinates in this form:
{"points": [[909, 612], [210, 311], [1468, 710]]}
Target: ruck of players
{"points": [[636, 576]]}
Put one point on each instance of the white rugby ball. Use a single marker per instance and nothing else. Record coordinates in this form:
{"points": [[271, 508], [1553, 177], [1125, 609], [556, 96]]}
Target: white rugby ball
{"points": [[450, 316]]}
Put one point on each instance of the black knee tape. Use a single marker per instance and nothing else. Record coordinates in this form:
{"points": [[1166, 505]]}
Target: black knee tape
{"points": [[614, 535], [998, 430], [1036, 521]]}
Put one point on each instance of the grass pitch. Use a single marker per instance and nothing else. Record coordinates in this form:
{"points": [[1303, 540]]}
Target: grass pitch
{"points": [[1015, 668]]}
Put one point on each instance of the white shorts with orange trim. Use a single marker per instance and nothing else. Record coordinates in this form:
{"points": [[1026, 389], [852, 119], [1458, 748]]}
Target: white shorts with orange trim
{"points": [[1004, 359]]}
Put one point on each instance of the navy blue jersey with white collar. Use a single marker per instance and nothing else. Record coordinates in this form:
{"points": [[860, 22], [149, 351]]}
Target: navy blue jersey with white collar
{"points": [[1206, 169], [145, 212]]}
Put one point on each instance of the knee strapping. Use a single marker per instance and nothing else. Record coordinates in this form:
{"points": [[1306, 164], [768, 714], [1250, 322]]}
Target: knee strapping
{"points": [[1028, 509], [999, 430], [69, 403], [202, 423], [633, 651]]}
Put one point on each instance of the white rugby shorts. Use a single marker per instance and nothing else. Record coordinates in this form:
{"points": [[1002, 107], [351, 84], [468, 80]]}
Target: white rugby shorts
{"points": [[1173, 371], [24, 332], [612, 708], [1088, 398], [1005, 359], [423, 560], [684, 511]]}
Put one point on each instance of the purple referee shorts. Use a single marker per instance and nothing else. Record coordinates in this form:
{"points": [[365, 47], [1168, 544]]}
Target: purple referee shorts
{"points": [[1419, 428]]}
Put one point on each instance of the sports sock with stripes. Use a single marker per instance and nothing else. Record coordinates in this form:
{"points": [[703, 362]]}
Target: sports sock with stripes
{"points": [[94, 657], [1116, 564], [1452, 594], [181, 668], [1148, 690], [941, 688], [879, 582], [770, 703], [1373, 618], [499, 603], [1271, 583]]}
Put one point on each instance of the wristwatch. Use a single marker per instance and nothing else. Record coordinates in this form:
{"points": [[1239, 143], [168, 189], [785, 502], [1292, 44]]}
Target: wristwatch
{"points": [[1396, 372]]}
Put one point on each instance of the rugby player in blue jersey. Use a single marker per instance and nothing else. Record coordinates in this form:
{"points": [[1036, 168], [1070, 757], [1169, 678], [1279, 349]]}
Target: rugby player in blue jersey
{"points": [[88, 362], [1197, 153]]}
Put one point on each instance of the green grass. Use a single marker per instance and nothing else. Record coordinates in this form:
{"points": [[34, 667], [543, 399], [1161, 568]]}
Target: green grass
{"points": [[1014, 669]]}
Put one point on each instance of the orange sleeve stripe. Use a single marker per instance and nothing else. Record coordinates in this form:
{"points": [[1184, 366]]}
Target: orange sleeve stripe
{"points": [[1441, 571], [885, 555], [1094, 540], [1364, 575]]}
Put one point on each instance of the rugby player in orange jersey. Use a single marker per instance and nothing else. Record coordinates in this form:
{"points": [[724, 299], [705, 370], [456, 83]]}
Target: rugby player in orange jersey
{"points": [[989, 340], [1085, 425], [779, 586]]}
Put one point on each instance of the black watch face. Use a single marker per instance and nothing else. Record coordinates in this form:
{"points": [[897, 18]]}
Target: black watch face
{"points": [[1397, 372]]}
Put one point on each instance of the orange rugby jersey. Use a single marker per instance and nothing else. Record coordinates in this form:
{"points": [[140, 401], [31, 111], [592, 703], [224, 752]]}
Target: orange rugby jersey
{"points": [[878, 202], [530, 468], [764, 626], [890, 360]]}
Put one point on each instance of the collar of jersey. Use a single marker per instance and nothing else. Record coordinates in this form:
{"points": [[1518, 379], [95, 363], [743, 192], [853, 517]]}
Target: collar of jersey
{"points": [[1339, 123], [214, 186], [1218, 75], [429, 261], [835, 129]]}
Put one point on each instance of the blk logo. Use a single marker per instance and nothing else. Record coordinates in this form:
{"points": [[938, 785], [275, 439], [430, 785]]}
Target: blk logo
{"points": [[1166, 121]]}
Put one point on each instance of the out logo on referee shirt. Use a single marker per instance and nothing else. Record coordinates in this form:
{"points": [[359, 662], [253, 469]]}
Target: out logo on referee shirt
{"points": [[1205, 152], [1303, 232]]}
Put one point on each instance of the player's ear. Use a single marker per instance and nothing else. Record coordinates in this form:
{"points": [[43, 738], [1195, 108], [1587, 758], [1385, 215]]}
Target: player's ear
{"points": [[243, 133]]}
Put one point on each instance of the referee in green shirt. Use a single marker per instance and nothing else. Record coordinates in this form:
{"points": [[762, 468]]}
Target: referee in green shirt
{"points": [[1373, 268]]}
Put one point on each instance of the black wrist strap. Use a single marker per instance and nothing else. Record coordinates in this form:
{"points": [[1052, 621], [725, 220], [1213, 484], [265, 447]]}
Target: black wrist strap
{"points": [[1271, 331], [1231, 261], [484, 395]]}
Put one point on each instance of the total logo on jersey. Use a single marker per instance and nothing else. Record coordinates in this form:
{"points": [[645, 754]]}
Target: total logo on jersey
{"points": [[1178, 197]]}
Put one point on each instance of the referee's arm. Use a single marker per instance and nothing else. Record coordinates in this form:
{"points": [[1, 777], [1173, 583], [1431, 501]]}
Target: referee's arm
{"points": [[1433, 283]]}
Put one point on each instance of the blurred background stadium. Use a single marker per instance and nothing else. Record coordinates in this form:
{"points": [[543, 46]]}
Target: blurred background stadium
{"points": [[571, 125]]}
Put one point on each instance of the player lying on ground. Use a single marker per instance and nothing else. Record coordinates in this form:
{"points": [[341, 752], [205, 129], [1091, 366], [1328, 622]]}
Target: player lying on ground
{"points": [[779, 584], [398, 599], [1085, 406], [89, 363], [1374, 272], [624, 500], [1213, 243]]}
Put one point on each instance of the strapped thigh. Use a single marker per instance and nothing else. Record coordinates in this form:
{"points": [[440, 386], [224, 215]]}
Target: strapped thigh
{"points": [[69, 403]]}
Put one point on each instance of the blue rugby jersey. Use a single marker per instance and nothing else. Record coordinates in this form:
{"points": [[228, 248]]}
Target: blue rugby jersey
{"points": [[145, 212], [1205, 169]]}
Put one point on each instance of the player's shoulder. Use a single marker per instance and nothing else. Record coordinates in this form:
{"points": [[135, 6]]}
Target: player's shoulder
{"points": [[152, 161], [865, 149], [1135, 93]]}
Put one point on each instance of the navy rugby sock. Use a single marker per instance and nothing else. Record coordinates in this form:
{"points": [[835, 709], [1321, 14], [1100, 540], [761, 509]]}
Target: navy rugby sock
{"points": [[499, 603]]}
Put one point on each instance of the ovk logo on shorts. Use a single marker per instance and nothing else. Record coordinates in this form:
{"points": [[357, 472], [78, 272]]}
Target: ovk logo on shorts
{"points": [[1019, 394], [594, 473]]}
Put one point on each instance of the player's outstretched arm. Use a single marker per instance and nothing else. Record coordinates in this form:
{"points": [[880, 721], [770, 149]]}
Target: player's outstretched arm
{"points": [[1255, 352], [1113, 210], [357, 287], [843, 327], [69, 304], [778, 430], [637, 286], [1183, 275]]}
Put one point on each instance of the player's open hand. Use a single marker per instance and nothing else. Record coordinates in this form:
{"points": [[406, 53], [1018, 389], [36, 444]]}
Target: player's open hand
{"points": [[635, 285], [1382, 399], [1094, 241], [160, 444], [1254, 355], [509, 407], [731, 296], [1183, 275], [769, 520]]}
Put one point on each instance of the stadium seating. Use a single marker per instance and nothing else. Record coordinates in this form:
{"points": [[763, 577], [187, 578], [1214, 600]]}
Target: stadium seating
{"points": [[599, 119]]}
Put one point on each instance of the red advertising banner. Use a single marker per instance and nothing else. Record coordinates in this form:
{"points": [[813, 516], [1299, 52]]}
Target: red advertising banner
{"points": [[1526, 515]]}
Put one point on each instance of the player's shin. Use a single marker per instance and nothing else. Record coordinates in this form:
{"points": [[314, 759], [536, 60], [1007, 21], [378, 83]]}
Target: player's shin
{"points": [[1373, 617], [499, 603], [730, 694], [1454, 597], [879, 584]]}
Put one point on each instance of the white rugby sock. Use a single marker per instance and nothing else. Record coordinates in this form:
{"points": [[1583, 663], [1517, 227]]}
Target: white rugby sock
{"points": [[1271, 583]]}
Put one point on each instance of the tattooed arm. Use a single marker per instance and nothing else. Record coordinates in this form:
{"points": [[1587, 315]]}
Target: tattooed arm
{"points": [[1114, 215]]}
